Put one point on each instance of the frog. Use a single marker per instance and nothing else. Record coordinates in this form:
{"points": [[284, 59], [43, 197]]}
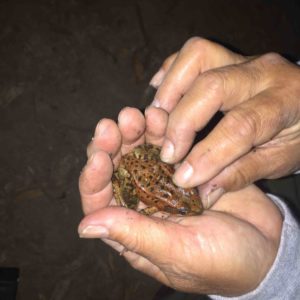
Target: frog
{"points": [[143, 176]]}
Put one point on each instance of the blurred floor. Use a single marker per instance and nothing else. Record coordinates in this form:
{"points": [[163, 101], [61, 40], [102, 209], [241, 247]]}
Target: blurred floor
{"points": [[63, 66]]}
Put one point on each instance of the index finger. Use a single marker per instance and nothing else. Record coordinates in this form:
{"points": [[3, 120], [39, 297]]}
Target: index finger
{"points": [[240, 131], [197, 56]]}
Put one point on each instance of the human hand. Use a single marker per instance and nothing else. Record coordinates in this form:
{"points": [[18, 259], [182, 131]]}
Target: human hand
{"points": [[259, 136], [227, 250]]}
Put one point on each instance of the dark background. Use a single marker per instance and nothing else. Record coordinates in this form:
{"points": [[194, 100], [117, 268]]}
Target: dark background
{"points": [[64, 65]]}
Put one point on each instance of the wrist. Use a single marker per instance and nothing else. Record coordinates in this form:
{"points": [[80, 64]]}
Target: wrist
{"points": [[281, 282]]}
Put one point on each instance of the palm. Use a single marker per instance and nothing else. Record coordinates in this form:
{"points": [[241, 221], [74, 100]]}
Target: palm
{"points": [[217, 244]]}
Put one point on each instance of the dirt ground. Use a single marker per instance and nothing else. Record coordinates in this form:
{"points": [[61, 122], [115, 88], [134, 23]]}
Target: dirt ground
{"points": [[64, 65]]}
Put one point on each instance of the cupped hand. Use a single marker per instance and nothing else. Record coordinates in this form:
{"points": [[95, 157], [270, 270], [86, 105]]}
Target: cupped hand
{"points": [[227, 250], [259, 135]]}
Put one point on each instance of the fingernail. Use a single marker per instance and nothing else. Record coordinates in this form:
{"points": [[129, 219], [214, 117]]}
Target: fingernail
{"points": [[184, 173], [167, 151], [91, 159], [93, 231], [157, 78], [155, 103], [213, 196], [100, 129]]}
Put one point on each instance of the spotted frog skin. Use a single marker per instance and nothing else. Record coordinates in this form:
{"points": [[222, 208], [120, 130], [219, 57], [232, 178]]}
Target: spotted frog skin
{"points": [[142, 176]]}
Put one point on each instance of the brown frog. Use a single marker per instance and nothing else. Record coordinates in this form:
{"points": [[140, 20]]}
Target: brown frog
{"points": [[142, 176]]}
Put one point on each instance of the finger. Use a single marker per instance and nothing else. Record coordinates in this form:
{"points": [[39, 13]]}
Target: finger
{"points": [[262, 162], [142, 264], [197, 56], [138, 262], [156, 124], [249, 125], [115, 245], [107, 137], [220, 89], [132, 126], [159, 76], [128, 228], [94, 182]]}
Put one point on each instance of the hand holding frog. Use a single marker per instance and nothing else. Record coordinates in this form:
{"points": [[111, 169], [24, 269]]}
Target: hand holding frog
{"points": [[194, 254], [259, 136]]}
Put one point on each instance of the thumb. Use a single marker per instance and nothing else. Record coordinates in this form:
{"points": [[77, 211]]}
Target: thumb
{"points": [[144, 235]]}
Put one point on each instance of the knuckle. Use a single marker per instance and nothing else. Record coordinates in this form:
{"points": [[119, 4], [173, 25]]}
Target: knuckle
{"points": [[240, 178], [244, 122], [214, 81], [181, 130], [196, 43], [277, 71], [237, 176], [272, 58]]}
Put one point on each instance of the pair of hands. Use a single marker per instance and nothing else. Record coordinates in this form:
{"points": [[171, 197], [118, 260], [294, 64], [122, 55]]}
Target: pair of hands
{"points": [[229, 249]]}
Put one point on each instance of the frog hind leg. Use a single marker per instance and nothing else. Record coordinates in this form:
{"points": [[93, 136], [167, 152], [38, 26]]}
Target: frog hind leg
{"points": [[148, 211], [117, 192], [123, 195]]}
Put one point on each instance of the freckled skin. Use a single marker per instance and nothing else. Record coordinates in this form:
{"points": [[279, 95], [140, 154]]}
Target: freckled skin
{"points": [[142, 176]]}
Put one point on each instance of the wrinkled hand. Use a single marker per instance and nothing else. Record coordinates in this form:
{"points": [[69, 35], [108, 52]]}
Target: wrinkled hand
{"points": [[259, 136], [228, 250]]}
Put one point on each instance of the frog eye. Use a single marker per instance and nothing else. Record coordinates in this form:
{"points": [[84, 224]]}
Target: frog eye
{"points": [[183, 210]]}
